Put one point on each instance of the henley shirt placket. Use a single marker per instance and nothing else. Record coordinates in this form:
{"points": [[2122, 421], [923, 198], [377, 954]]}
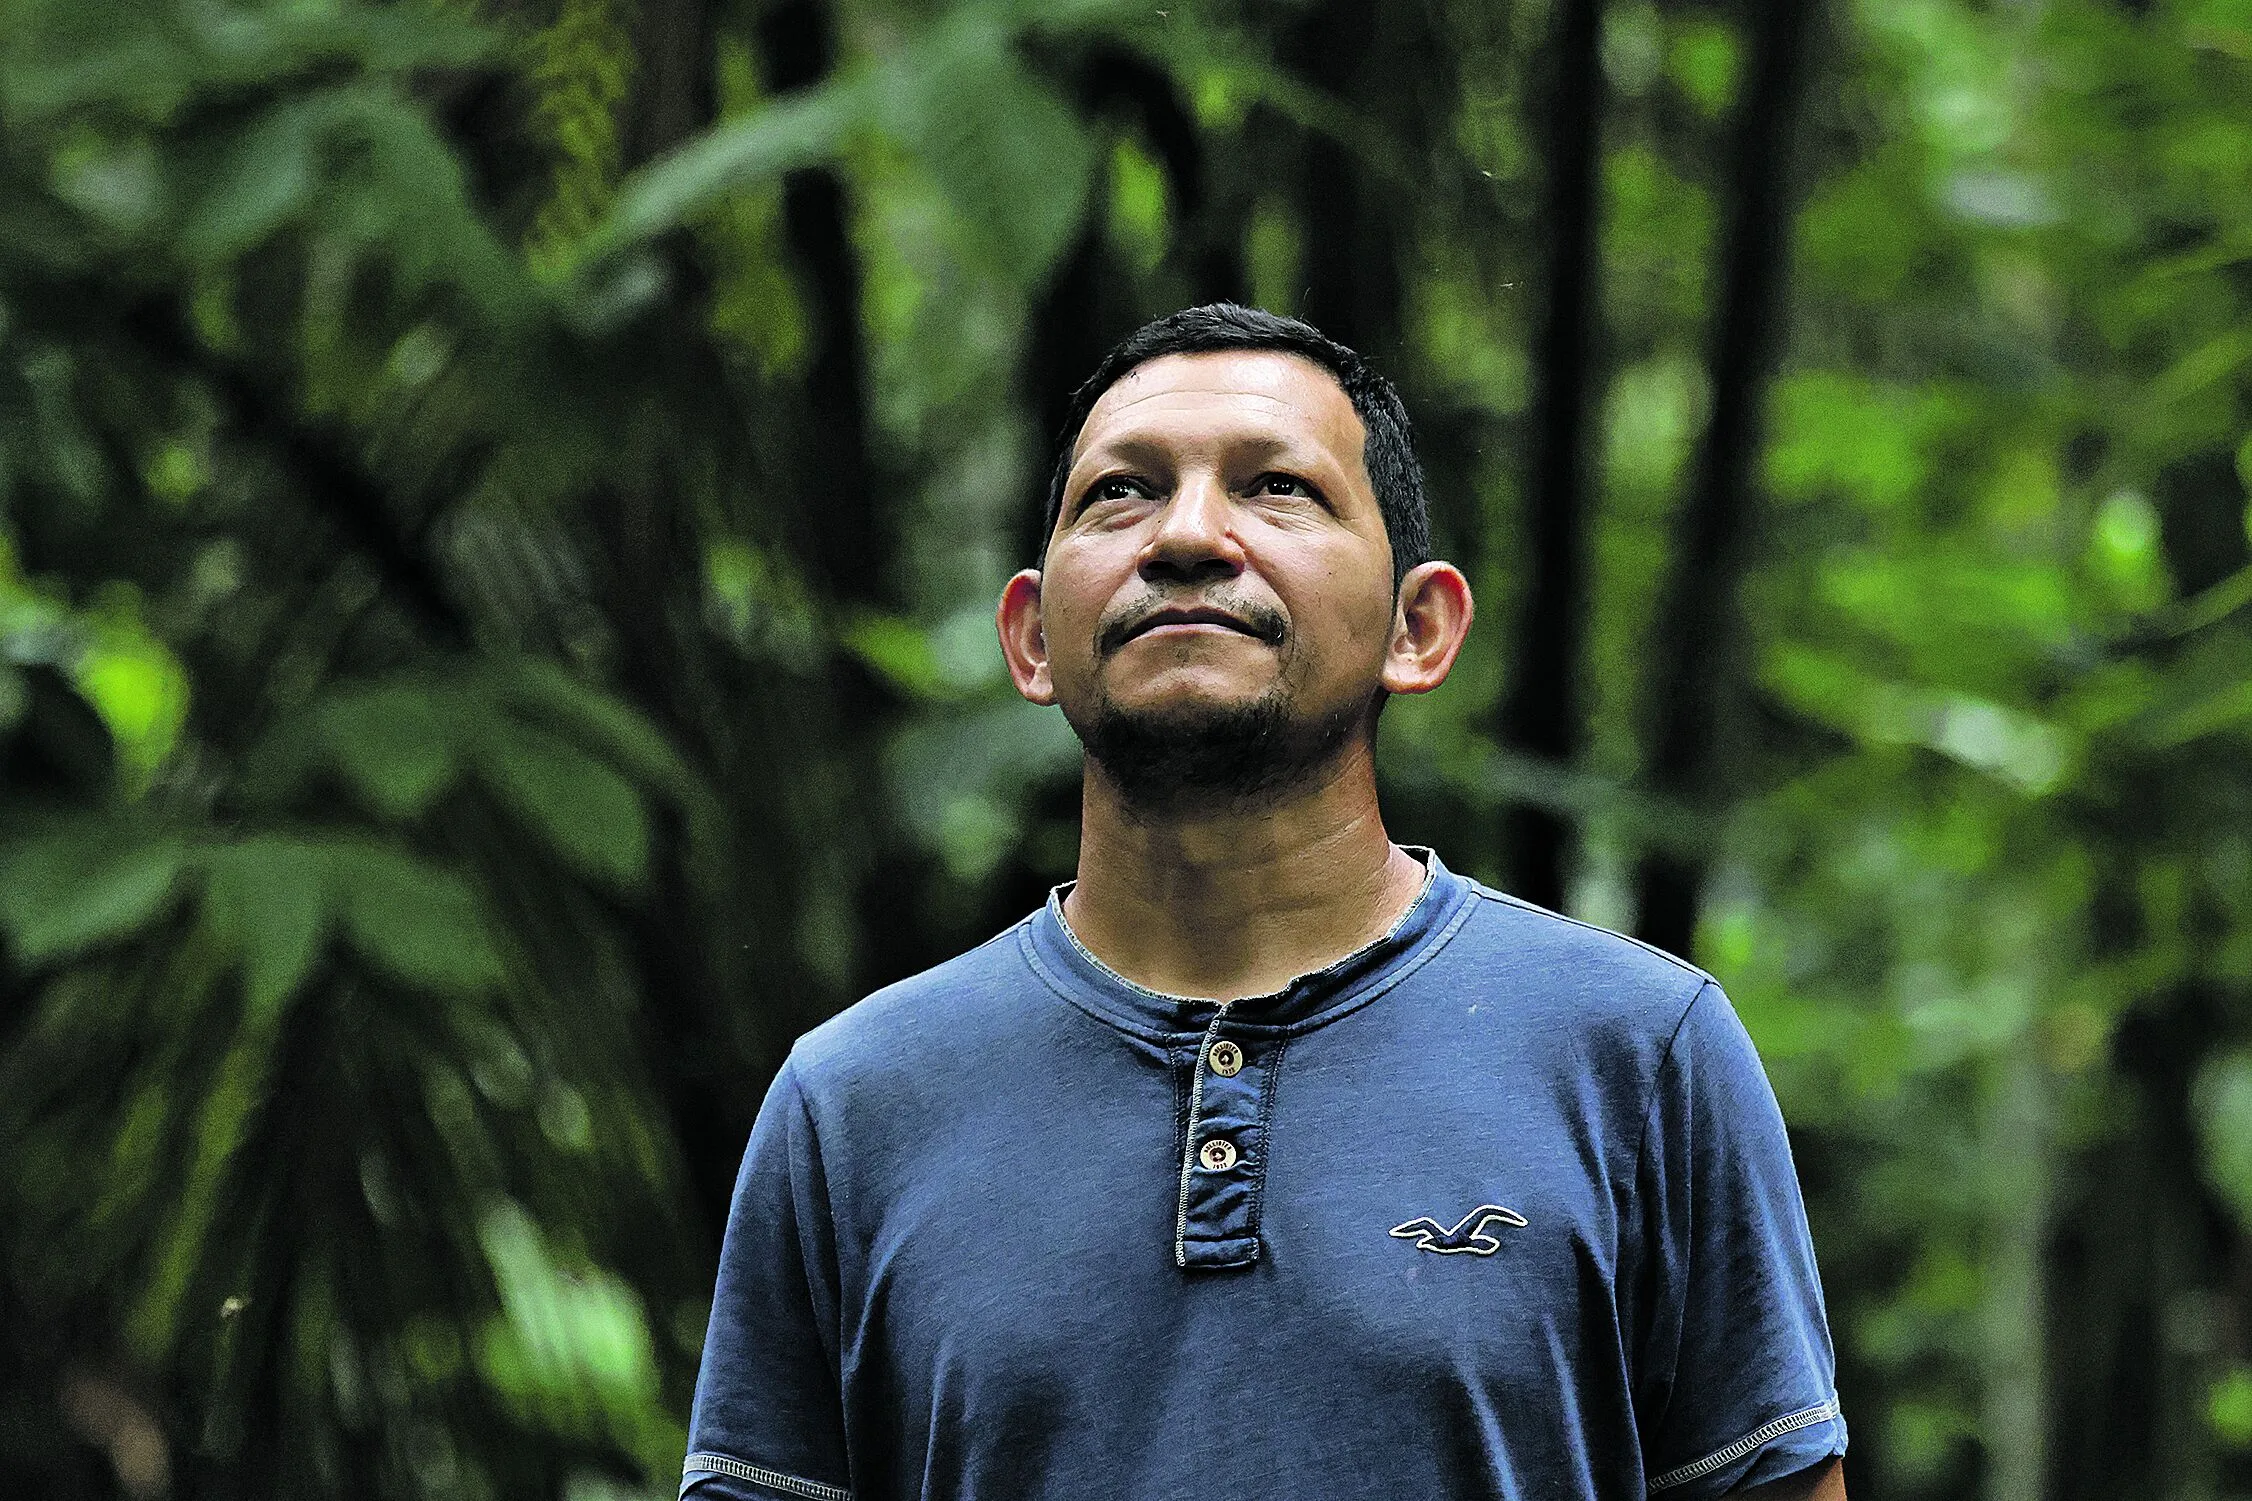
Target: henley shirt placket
{"points": [[1224, 1151]]}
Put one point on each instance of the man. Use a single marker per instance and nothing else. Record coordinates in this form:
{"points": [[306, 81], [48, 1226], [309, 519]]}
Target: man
{"points": [[1269, 1159]]}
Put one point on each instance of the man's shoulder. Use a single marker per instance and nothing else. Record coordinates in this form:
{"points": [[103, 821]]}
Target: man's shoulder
{"points": [[1574, 965], [929, 1016]]}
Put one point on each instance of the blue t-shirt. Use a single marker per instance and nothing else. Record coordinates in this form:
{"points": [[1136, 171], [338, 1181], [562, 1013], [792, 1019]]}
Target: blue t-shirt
{"points": [[1500, 1206]]}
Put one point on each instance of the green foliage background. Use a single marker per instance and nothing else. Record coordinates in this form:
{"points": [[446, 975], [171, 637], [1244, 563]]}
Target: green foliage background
{"points": [[499, 507]]}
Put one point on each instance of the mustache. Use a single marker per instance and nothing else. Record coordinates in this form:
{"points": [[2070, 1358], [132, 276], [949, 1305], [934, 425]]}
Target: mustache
{"points": [[1255, 617]]}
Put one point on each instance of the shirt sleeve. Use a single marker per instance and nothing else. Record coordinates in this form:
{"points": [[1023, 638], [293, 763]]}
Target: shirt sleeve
{"points": [[768, 1423], [1736, 1383]]}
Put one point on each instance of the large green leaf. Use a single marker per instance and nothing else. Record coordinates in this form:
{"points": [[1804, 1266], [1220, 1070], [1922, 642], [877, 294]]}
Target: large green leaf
{"points": [[394, 743], [68, 59], [2208, 691], [84, 882], [411, 195], [793, 132], [268, 899], [267, 175], [1011, 157], [587, 811], [419, 921], [602, 724]]}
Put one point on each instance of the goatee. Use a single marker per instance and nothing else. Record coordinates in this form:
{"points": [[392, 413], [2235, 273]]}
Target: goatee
{"points": [[1237, 758]]}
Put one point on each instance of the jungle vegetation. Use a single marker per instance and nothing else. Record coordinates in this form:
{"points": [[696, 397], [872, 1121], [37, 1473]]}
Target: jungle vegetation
{"points": [[500, 503]]}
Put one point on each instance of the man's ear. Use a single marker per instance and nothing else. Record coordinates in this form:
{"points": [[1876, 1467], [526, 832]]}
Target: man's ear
{"points": [[1023, 643], [1430, 622]]}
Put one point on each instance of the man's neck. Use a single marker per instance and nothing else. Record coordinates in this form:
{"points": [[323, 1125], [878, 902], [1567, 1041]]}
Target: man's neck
{"points": [[1227, 904]]}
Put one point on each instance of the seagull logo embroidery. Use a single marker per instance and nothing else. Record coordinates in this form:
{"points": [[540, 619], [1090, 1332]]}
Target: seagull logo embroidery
{"points": [[1429, 1235]]}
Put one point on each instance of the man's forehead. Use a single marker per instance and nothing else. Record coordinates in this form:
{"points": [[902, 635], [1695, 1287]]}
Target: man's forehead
{"points": [[1271, 387]]}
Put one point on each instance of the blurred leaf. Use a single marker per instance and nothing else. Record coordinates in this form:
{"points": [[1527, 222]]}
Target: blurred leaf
{"points": [[1009, 154], [1866, 440], [15, 698], [2214, 361], [2229, 1407], [134, 682], [1140, 207], [2223, 1099], [792, 132], [67, 57], [268, 898], [415, 200], [2214, 605], [267, 176], [602, 724], [571, 1348], [2210, 691], [1705, 62], [900, 651], [589, 813], [84, 882], [422, 923], [393, 742], [184, 1247]]}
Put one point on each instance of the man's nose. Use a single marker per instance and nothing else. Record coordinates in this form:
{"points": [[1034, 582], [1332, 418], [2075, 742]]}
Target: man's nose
{"points": [[1195, 534]]}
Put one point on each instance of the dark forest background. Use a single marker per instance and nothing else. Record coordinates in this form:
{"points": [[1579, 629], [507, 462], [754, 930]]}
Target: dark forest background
{"points": [[500, 502]]}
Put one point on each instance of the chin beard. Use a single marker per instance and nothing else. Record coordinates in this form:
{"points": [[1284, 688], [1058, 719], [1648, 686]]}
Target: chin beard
{"points": [[1236, 758]]}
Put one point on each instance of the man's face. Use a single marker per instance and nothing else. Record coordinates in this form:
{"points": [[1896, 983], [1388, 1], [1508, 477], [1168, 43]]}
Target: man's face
{"points": [[1219, 565]]}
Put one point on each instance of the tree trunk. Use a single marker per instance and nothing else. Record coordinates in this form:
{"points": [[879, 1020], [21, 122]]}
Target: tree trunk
{"points": [[673, 89], [1695, 645], [2020, 1133], [1542, 715]]}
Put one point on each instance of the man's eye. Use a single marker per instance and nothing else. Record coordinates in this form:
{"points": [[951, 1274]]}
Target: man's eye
{"points": [[1282, 484], [1117, 487]]}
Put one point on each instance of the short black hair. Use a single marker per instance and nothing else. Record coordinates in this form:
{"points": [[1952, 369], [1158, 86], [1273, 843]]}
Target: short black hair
{"points": [[1388, 451]]}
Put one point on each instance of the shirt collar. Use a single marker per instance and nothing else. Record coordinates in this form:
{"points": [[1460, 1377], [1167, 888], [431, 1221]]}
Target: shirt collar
{"points": [[1311, 999]]}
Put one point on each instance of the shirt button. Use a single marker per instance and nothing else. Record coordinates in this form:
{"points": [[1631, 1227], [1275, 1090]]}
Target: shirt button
{"points": [[1227, 1059], [1217, 1154]]}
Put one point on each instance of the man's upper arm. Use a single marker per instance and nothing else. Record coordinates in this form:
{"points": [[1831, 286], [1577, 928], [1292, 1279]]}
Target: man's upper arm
{"points": [[769, 1422], [1821, 1482], [1734, 1383]]}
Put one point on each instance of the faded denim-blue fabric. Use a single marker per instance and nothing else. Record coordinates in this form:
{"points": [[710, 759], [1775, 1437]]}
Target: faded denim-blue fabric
{"points": [[1500, 1206]]}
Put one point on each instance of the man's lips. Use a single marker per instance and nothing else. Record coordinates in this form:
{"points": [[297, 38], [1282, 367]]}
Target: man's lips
{"points": [[1186, 619], [1259, 621], [1191, 618]]}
